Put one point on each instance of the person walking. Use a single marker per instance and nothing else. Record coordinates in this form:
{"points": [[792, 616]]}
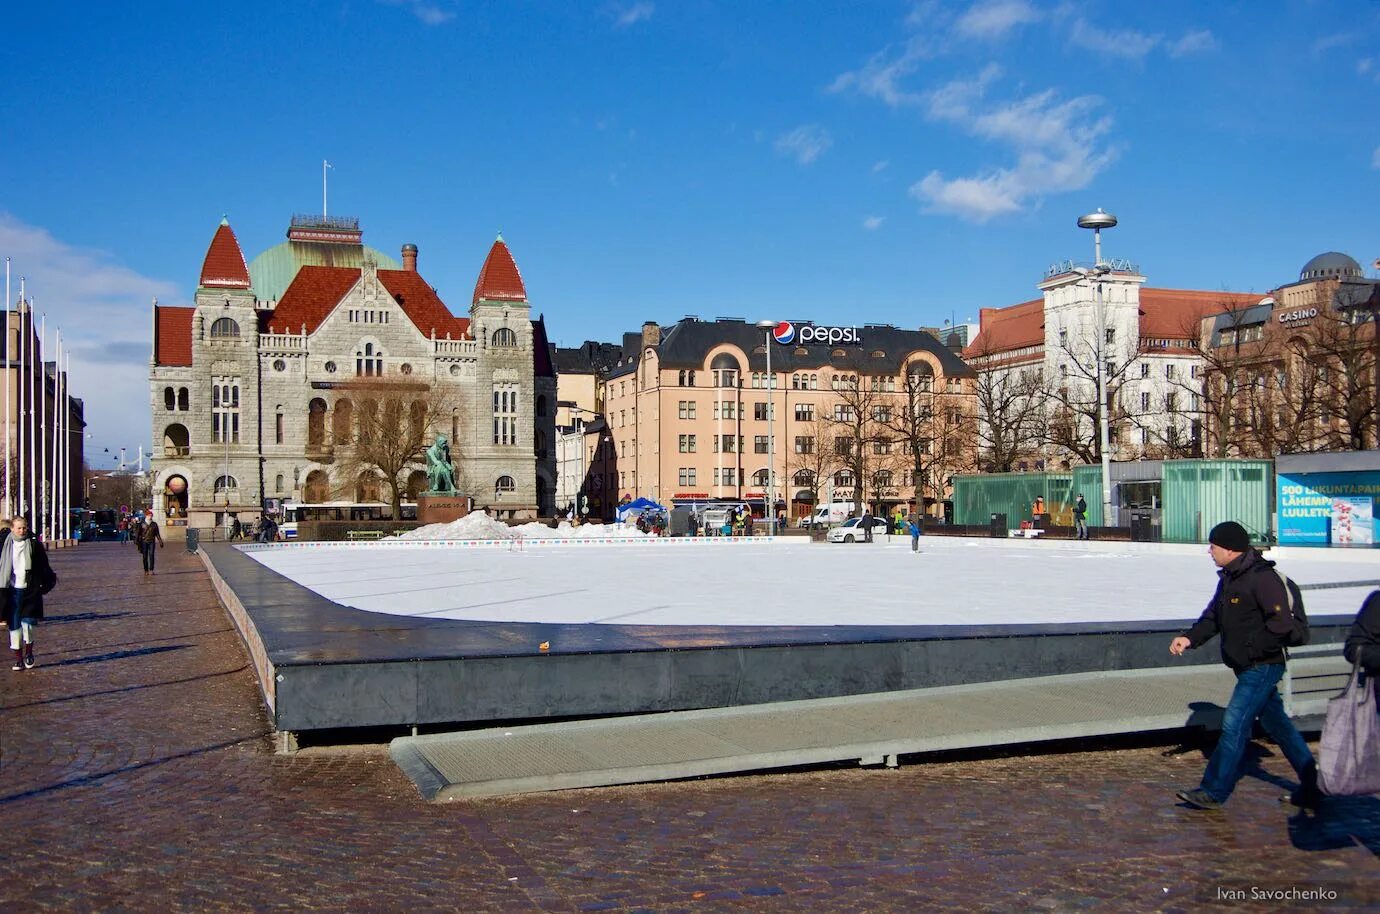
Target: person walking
{"points": [[1252, 611], [149, 539], [866, 524], [1080, 518], [1363, 640], [747, 522], [913, 526], [25, 577]]}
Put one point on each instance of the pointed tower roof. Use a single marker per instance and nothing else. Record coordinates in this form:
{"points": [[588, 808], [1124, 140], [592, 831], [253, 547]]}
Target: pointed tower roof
{"points": [[224, 267], [499, 280]]}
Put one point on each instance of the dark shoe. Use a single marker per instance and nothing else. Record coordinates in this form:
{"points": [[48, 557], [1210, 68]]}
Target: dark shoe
{"points": [[1198, 798], [18, 660], [1304, 798], [28, 656]]}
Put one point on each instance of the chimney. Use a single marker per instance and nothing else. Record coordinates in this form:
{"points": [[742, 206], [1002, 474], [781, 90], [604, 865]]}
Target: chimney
{"points": [[651, 334], [409, 257]]}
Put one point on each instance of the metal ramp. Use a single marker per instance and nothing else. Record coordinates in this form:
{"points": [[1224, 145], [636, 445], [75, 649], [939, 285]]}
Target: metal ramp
{"points": [[873, 729]]}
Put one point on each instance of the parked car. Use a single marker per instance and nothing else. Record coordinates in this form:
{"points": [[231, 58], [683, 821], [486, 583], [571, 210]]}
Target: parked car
{"points": [[850, 530]]}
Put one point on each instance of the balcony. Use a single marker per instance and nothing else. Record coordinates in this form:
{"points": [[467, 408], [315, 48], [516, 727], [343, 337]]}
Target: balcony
{"points": [[467, 348], [283, 342]]}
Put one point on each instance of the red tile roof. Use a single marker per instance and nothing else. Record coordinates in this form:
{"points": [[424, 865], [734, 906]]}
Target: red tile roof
{"points": [[499, 279], [1165, 314], [1176, 314], [172, 336], [315, 292], [224, 267], [1004, 329], [423, 306]]}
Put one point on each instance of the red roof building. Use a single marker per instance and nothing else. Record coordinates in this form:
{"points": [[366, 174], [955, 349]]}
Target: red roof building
{"points": [[224, 266]]}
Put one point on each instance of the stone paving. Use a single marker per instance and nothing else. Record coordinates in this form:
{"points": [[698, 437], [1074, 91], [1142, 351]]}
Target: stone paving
{"points": [[139, 775]]}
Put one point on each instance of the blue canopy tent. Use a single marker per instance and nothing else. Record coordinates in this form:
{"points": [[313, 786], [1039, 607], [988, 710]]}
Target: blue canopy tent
{"points": [[640, 506]]}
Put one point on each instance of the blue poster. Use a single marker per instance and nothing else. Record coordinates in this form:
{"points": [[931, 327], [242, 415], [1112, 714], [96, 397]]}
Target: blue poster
{"points": [[1306, 503]]}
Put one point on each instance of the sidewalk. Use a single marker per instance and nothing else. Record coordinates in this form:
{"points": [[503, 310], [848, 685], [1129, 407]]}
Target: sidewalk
{"points": [[138, 775]]}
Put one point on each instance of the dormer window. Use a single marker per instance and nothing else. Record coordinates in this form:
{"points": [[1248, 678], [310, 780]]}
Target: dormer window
{"points": [[224, 329], [368, 362], [504, 338]]}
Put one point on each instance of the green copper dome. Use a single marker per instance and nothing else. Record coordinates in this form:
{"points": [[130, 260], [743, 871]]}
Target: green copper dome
{"points": [[272, 272]]}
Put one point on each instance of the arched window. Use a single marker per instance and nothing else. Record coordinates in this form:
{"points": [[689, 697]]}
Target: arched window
{"points": [[226, 485], [176, 441], [504, 484], [504, 338], [368, 361], [367, 487], [416, 420], [342, 423], [224, 328], [316, 422], [920, 377], [279, 425], [882, 479], [539, 444], [183, 400], [759, 478], [317, 488], [814, 382], [725, 369], [278, 484], [804, 478], [169, 400], [368, 419], [416, 484]]}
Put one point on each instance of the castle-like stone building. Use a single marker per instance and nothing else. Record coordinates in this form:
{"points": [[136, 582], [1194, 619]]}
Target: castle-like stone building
{"points": [[254, 388]]}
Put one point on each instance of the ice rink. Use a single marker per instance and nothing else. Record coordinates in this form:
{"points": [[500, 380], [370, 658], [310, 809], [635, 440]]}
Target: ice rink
{"points": [[951, 582]]}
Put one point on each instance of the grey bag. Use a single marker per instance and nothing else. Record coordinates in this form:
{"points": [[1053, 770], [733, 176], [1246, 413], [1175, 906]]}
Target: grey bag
{"points": [[1349, 754]]}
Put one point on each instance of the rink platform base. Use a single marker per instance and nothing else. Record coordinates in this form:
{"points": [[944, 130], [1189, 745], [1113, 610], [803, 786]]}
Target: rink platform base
{"points": [[323, 666]]}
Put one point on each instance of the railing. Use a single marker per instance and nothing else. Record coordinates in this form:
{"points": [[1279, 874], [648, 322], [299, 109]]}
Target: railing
{"points": [[290, 341], [456, 347]]}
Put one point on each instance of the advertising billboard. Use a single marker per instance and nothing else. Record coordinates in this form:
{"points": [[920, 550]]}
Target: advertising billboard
{"points": [[1322, 509]]}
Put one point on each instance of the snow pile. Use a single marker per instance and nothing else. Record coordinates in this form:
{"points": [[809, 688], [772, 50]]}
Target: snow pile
{"points": [[479, 526]]}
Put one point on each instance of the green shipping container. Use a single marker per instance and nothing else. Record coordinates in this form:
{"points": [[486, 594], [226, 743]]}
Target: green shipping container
{"points": [[1088, 480], [1199, 494], [978, 496]]}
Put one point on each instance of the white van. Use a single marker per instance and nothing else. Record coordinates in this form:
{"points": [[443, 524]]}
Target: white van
{"points": [[829, 515]]}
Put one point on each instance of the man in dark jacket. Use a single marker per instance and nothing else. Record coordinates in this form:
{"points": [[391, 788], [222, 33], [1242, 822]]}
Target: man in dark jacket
{"points": [[1251, 611], [25, 576], [1080, 518], [149, 539], [866, 524], [1364, 638]]}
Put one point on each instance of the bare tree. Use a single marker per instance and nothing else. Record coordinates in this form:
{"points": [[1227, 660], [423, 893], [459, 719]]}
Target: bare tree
{"points": [[856, 423], [395, 423], [1343, 338], [1011, 403], [810, 460], [934, 430], [1073, 412]]}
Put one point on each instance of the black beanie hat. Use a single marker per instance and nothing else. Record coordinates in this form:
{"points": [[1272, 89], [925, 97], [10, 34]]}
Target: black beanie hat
{"points": [[1230, 535]]}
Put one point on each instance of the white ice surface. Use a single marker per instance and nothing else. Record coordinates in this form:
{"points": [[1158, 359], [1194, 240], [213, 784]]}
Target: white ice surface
{"points": [[951, 582]]}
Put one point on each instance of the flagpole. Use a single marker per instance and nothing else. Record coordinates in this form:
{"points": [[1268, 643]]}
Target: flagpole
{"points": [[44, 498], [32, 469], [9, 359], [21, 381], [57, 438], [67, 446]]}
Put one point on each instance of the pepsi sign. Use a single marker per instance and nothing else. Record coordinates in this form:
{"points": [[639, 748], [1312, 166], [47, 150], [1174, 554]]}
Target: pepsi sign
{"points": [[787, 333]]}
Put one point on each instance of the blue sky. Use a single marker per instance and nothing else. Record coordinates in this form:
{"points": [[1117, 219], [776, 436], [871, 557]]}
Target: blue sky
{"points": [[645, 159]]}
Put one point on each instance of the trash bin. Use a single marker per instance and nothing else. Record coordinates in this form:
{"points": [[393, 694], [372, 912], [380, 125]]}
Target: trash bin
{"points": [[193, 535], [1142, 527], [999, 530]]}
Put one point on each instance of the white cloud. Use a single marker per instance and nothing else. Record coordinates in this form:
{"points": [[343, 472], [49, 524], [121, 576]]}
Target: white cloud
{"points": [[805, 143], [1333, 41], [633, 14], [872, 223], [1198, 42], [104, 310], [426, 12], [879, 167], [1060, 145], [1375, 158], [880, 77], [993, 19], [1124, 43]]}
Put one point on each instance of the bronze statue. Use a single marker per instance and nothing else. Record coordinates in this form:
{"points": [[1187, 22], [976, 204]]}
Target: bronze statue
{"points": [[440, 474]]}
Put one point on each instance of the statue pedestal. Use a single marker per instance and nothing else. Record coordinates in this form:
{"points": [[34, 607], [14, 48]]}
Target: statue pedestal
{"points": [[441, 509]]}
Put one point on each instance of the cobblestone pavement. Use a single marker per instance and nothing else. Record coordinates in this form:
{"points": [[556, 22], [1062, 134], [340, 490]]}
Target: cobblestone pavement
{"points": [[138, 774]]}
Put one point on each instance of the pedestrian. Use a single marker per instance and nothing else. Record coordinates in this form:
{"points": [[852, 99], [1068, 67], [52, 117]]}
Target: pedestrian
{"points": [[1080, 518], [25, 577], [913, 526], [1363, 640], [136, 531], [899, 521], [1252, 611], [694, 524], [122, 530], [149, 538], [866, 524], [236, 529], [747, 522]]}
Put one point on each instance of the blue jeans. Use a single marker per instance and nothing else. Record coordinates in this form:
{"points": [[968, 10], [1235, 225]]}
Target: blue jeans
{"points": [[1256, 696], [915, 542], [13, 612]]}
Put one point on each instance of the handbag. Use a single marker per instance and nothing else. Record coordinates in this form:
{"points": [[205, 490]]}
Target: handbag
{"points": [[1349, 754]]}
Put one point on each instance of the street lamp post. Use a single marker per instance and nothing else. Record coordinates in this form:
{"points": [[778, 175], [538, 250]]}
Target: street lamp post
{"points": [[1097, 221], [770, 512]]}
